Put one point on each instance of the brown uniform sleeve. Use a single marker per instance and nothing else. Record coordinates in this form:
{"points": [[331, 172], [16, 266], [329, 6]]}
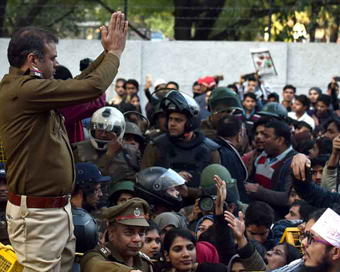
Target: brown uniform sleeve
{"points": [[43, 95], [94, 262], [150, 157]]}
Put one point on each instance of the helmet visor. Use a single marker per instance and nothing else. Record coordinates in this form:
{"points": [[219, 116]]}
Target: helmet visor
{"points": [[109, 127], [169, 179]]}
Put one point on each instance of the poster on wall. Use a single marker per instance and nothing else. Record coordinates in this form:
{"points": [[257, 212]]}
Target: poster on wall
{"points": [[263, 61]]}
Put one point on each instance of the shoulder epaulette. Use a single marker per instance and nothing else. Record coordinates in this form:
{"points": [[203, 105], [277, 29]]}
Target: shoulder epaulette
{"points": [[104, 251]]}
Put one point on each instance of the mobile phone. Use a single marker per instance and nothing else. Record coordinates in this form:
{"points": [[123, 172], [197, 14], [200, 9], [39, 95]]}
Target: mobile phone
{"points": [[337, 78], [308, 173]]}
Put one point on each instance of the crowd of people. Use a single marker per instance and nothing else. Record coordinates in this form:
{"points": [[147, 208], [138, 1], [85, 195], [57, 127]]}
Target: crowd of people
{"points": [[212, 181]]}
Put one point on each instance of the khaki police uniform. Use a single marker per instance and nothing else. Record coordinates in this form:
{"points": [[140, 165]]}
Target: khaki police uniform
{"points": [[107, 258], [40, 166]]}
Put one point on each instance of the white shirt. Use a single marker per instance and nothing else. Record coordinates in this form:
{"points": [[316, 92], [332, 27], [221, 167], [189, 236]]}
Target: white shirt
{"points": [[306, 118]]}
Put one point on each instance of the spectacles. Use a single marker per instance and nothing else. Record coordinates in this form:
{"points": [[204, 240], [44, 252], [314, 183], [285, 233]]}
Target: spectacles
{"points": [[310, 239]]}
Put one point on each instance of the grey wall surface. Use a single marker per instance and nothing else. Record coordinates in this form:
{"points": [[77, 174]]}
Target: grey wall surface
{"points": [[303, 65]]}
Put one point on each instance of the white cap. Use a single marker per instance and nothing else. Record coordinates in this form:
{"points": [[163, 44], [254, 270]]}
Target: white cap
{"points": [[159, 82], [328, 227]]}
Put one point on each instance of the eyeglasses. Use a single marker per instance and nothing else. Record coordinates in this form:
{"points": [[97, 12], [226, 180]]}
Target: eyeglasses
{"points": [[310, 239]]}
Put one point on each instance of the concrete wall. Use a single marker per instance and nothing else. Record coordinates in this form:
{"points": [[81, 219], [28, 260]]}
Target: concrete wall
{"points": [[303, 65]]}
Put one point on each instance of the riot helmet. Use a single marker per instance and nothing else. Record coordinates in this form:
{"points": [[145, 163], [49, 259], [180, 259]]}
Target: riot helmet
{"points": [[139, 119], [274, 109], [117, 188], [133, 129], [176, 101], [110, 120], [152, 184], [85, 230], [223, 99]]}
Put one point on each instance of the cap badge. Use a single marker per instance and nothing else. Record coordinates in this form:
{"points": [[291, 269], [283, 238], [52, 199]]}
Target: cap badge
{"points": [[136, 212]]}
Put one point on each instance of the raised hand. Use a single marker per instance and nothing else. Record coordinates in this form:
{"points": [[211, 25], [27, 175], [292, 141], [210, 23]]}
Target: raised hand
{"points": [[221, 194], [114, 38], [237, 226], [114, 147]]}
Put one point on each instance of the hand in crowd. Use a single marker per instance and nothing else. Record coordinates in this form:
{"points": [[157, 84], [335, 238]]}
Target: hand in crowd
{"points": [[148, 83], [237, 226], [251, 188], [114, 38], [298, 165], [336, 145], [221, 194], [114, 147], [187, 176], [195, 214]]}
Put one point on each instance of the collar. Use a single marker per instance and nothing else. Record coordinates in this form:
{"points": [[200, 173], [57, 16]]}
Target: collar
{"points": [[31, 72], [282, 155], [137, 261], [248, 115]]}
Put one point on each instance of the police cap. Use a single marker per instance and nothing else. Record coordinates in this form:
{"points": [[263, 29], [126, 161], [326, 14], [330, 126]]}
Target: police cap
{"points": [[133, 213]]}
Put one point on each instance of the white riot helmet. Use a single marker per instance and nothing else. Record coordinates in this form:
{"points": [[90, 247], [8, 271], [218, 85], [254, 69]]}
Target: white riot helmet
{"points": [[108, 119]]}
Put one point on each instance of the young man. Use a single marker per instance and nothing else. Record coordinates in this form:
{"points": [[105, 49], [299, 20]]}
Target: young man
{"points": [[259, 218], [300, 107], [120, 91], [249, 115], [288, 94], [323, 110], [317, 165], [131, 86]]}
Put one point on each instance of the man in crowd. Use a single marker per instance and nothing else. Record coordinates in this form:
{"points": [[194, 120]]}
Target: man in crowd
{"points": [[288, 94], [272, 174], [131, 86], [222, 102], [40, 165], [323, 110], [232, 135], [182, 149], [313, 94], [300, 108], [126, 230]]}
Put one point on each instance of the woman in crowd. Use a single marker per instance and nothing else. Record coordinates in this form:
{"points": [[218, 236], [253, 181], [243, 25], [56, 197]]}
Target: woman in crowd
{"points": [[180, 253]]}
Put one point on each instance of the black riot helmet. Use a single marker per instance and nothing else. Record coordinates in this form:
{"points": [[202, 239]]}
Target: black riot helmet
{"points": [[85, 230], [175, 101], [152, 184]]}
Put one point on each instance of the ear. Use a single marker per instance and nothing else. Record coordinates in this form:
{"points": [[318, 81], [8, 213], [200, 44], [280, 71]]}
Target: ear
{"points": [[32, 60], [111, 232], [281, 140], [336, 253], [166, 255], [239, 136], [231, 207]]}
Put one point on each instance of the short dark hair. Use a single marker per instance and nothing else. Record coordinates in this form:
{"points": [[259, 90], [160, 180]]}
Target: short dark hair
{"points": [[229, 126], [325, 145], [289, 86], [334, 120], [281, 129], [319, 160], [133, 82], [61, 72], [262, 121], [26, 41], [233, 87], [120, 80], [152, 226], [304, 100], [250, 95], [174, 83], [260, 214], [275, 96], [84, 63], [301, 124], [196, 84], [171, 235], [326, 99], [304, 209]]}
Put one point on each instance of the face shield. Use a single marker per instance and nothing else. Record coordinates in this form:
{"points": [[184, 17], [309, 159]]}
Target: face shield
{"points": [[169, 179]]}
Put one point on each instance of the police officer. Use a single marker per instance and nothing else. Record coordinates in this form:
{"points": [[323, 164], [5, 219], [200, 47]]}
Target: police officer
{"points": [[84, 200], [182, 148], [157, 185], [121, 191], [127, 223], [275, 110], [106, 147], [222, 102]]}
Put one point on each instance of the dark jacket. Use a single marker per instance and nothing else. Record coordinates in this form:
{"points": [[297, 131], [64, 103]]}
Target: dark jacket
{"points": [[231, 159], [315, 195]]}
